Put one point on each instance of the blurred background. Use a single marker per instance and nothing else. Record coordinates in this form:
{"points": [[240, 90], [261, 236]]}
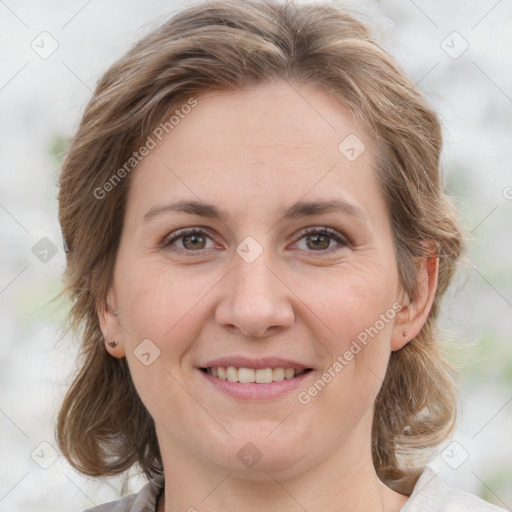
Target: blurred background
{"points": [[53, 53]]}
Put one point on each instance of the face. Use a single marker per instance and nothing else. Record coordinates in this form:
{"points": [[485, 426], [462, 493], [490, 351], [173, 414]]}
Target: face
{"points": [[256, 248]]}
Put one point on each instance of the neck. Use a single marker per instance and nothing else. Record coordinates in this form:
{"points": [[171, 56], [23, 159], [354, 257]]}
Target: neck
{"points": [[344, 481]]}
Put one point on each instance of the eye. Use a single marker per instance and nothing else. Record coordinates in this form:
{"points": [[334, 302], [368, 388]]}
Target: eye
{"points": [[320, 240], [188, 240], [313, 239]]}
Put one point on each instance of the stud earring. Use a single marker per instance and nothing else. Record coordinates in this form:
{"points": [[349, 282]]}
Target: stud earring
{"points": [[404, 334], [113, 344]]}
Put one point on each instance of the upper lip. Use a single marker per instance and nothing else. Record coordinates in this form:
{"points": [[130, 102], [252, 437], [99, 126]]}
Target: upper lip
{"points": [[256, 363]]}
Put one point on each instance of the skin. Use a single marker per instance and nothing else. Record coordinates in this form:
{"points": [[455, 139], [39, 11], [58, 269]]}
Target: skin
{"points": [[253, 154]]}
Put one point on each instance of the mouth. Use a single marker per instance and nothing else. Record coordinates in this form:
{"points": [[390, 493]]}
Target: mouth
{"points": [[254, 379], [244, 375]]}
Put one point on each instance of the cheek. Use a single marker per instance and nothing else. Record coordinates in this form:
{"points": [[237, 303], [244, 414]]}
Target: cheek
{"points": [[351, 299], [359, 310], [159, 302], [167, 306]]}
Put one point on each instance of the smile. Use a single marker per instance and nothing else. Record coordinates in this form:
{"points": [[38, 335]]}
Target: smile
{"points": [[253, 375]]}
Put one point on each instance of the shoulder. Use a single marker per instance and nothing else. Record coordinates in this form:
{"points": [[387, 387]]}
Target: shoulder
{"points": [[142, 501], [431, 494]]}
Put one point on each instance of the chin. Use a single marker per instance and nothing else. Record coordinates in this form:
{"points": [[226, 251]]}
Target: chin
{"points": [[254, 453]]}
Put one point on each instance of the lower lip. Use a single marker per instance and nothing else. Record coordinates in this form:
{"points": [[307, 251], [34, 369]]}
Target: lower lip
{"points": [[254, 391]]}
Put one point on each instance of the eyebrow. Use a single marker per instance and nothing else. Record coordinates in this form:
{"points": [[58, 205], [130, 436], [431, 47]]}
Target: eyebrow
{"points": [[296, 211]]}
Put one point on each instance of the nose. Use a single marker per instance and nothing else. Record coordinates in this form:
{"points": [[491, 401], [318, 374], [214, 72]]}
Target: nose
{"points": [[255, 301]]}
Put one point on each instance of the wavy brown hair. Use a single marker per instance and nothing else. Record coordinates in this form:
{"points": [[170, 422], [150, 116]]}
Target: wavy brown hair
{"points": [[103, 427]]}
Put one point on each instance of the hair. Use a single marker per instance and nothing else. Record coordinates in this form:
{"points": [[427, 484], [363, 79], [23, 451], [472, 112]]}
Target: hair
{"points": [[103, 427]]}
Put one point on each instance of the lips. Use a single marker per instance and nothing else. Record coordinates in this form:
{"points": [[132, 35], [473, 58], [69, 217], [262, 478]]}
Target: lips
{"points": [[247, 371]]}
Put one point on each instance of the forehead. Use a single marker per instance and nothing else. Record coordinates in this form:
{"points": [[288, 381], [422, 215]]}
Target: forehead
{"points": [[270, 116], [267, 144]]}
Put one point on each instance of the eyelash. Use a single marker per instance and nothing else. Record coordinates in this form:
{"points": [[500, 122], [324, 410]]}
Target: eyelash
{"points": [[331, 233]]}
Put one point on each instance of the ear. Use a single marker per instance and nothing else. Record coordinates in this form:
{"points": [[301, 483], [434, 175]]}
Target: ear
{"points": [[110, 326], [414, 313]]}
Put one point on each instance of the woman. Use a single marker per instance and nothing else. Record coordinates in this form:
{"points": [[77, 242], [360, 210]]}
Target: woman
{"points": [[257, 243]]}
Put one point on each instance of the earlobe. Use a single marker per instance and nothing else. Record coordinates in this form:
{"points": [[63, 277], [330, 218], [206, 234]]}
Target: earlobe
{"points": [[413, 315], [109, 325], [115, 348]]}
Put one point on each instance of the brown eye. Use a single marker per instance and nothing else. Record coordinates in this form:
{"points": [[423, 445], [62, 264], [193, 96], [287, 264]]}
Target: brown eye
{"points": [[317, 241], [194, 241], [188, 240], [321, 240]]}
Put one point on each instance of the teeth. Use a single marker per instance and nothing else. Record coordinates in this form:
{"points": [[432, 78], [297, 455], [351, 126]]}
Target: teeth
{"points": [[232, 374], [278, 374], [263, 375], [246, 375], [250, 375]]}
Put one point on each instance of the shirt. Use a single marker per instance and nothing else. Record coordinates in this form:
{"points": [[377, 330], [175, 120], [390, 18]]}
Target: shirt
{"points": [[430, 494]]}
